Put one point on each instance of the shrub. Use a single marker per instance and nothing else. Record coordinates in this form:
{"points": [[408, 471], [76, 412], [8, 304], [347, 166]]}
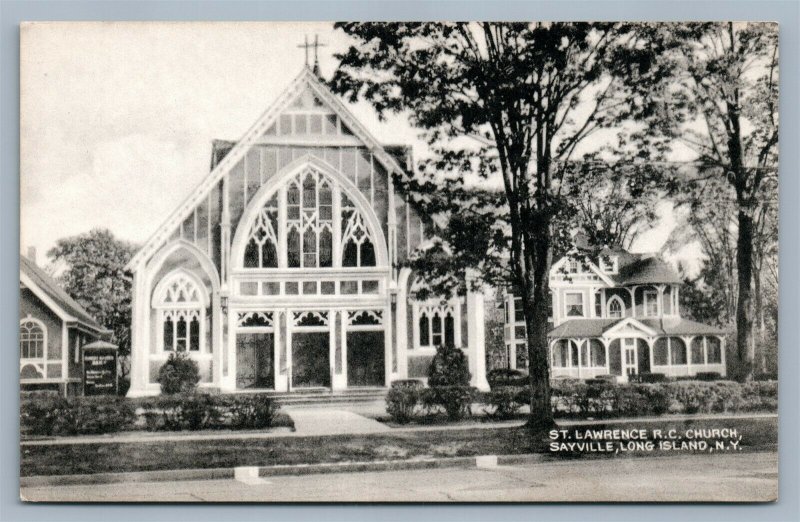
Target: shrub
{"points": [[402, 402], [760, 396], [503, 401], [454, 400], [414, 384], [449, 367], [708, 376], [200, 411], [179, 374], [695, 397], [248, 412], [647, 377], [506, 377], [52, 415]]}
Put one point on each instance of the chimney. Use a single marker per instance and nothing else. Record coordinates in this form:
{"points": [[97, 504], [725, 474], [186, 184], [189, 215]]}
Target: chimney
{"points": [[32, 254]]}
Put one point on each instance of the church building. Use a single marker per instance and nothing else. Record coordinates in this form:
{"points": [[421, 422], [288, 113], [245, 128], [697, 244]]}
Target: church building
{"points": [[282, 269]]}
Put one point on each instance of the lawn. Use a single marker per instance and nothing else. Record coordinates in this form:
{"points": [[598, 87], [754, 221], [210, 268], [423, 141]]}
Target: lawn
{"points": [[148, 456]]}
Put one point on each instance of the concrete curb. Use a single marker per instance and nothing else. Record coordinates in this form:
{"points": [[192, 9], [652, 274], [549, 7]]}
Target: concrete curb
{"points": [[485, 461]]}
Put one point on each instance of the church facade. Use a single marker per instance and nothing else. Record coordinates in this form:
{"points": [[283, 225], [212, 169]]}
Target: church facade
{"points": [[282, 270]]}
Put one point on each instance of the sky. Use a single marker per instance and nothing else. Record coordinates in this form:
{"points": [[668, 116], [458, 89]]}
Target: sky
{"points": [[117, 118]]}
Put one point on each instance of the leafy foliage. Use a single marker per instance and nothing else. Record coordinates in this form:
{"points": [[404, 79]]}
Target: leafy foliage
{"points": [[723, 106], [178, 374], [502, 103], [449, 367], [95, 277]]}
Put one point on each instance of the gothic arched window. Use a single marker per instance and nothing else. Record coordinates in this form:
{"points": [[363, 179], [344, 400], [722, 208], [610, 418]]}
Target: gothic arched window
{"points": [[180, 303], [315, 209], [357, 247], [262, 247], [615, 307]]}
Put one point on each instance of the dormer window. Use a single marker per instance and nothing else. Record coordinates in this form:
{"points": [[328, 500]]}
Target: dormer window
{"points": [[609, 264], [573, 266]]}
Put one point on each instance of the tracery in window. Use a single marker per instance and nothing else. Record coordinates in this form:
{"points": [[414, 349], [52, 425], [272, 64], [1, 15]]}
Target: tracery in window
{"points": [[310, 212], [262, 247], [309, 222], [180, 304], [615, 307], [31, 339], [357, 247], [436, 325]]}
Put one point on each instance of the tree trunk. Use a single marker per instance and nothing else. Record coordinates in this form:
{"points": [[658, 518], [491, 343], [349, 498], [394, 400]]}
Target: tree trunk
{"points": [[759, 302], [535, 304], [744, 305]]}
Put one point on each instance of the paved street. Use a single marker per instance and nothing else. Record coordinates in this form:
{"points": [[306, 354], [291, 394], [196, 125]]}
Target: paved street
{"points": [[721, 477]]}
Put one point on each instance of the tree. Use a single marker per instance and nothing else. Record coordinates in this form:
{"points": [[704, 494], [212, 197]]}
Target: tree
{"points": [[723, 104], [499, 100], [96, 278]]}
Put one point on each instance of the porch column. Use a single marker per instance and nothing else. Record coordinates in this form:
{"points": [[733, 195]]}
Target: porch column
{"points": [[580, 357], [606, 342], [401, 323], [722, 354], [139, 346], [650, 343], [687, 340], [336, 339], [476, 340], [660, 307], [632, 291]]}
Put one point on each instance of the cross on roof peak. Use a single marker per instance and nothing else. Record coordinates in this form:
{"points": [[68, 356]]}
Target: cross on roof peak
{"points": [[316, 45]]}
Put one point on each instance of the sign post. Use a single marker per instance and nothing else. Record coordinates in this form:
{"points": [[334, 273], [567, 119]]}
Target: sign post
{"points": [[100, 368]]}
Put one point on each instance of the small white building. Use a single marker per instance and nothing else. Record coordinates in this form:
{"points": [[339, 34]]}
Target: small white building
{"points": [[617, 313], [280, 270]]}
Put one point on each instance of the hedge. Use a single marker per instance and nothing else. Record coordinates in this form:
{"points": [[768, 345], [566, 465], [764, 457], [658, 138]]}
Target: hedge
{"points": [[574, 398], [49, 415], [53, 415]]}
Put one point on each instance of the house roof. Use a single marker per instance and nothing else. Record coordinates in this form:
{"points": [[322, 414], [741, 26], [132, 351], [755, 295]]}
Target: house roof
{"points": [[645, 269], [582, 328], [55, 293], [666, 326], [227, 154]]}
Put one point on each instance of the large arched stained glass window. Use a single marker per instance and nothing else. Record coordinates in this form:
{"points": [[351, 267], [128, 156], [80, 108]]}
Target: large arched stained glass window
{"points": [[315, 208]]}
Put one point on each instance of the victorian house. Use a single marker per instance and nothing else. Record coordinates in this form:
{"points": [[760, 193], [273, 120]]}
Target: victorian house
{"points": [[617, 313], [280, 270]]}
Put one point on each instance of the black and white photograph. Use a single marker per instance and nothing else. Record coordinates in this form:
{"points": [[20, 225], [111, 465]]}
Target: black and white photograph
{"points": [[407, 262]]}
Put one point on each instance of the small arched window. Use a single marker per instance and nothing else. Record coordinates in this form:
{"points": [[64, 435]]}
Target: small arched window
{"points": [[181, 304], [32, 338], [615, 307]]}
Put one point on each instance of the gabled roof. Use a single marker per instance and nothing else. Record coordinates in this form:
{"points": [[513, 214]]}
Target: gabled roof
{"points": [[49, 291], [227, 154]]}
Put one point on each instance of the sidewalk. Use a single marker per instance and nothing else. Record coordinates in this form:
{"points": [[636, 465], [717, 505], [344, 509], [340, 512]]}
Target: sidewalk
{"points": [[312, 422]]}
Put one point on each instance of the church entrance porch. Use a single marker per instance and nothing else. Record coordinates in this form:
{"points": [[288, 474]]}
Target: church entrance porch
{"points": [[310, 360], [365, 359], [255, 355]]}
